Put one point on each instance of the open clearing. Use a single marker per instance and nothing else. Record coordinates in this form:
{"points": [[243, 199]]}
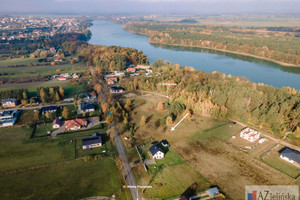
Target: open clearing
{"points": [[74, 180], [17, 151], [205, 144]]}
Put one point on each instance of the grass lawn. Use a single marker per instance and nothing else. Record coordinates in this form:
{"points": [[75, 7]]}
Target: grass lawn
{"points": [[105, 149], [18, 61], [10, 72], [68, 88], [74, 180], [42, 129], [17, 151], [173, 181], [276, 162]]}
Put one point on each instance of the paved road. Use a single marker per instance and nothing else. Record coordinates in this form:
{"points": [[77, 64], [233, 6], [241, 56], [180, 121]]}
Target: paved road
{"points": [[127, 172], [126, 168]]}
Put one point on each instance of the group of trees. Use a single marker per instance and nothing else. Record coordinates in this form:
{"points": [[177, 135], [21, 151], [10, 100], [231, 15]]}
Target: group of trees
{"points": [[111, 58], [52, 94], [220, 96], [271, 46]]}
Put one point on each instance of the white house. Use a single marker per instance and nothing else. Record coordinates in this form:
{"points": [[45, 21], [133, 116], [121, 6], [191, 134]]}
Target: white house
{"points": [[250, 134], [157, 152], [56, 123]]}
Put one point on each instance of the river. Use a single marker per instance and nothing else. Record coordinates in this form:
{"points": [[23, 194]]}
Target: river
{"points": [[257, 70]]}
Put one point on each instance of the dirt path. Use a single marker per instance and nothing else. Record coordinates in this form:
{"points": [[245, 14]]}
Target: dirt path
{"points": [[10, 85]]}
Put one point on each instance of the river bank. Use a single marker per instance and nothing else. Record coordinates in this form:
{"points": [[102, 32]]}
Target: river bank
{"points": [[221, 50]]}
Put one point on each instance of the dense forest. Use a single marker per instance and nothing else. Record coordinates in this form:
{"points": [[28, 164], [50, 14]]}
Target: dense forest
{"points": [[108, 58], [220, 96], [280, 47]]}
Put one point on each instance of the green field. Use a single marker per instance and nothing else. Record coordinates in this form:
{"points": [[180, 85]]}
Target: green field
{"points": [[18, 61], [11, 72], [74, 180], [17, 151], [68, 88], [170, 177], [276, 162], [42, 129]]}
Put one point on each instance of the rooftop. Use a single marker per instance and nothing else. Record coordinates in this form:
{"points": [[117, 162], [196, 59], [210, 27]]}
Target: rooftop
{"points": [[291, 154]]}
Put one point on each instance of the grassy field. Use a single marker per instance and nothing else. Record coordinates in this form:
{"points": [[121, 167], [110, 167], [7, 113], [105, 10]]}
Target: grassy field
{"points": [[75, 180], [11, 72], [17, 151], [18, 61], [275, 161], [42, 129], [204, 144], [68, 88]]}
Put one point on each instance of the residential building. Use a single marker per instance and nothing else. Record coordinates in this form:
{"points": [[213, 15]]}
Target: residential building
{"points": [[143, 67], [131, 69], [9, 103], [250, 134], [111, 80], [115, 89], [93, 141], [56, 123], [75, 124], [86, 107], [8, 117], [290, 155], [49, 109], [156, 151], [119, 73]]}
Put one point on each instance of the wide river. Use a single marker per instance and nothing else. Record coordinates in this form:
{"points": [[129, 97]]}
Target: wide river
{"points": [[257, 70]]}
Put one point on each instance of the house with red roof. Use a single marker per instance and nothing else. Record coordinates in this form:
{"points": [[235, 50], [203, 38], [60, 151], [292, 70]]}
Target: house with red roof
{"points": [[75, 124]]}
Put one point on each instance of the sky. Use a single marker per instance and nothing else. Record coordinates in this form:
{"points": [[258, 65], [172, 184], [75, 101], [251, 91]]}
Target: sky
{"points": [[103, 7]]}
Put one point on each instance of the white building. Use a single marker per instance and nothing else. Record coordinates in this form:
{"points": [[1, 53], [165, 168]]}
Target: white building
{"points": [[157, 152], [250, 134]]}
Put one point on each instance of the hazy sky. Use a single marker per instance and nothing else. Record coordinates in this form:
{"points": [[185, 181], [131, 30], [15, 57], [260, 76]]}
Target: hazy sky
{"points": [[149, 6]]}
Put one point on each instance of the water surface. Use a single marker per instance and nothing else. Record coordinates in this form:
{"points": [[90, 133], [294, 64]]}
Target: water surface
{"points": [[257, 70]]}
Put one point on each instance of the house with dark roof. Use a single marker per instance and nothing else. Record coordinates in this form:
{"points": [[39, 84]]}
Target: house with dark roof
{"points": [[115, 89], [49, 109], [290, 155], [86, 107], [9, 103], [156, 151], [93, 141]]}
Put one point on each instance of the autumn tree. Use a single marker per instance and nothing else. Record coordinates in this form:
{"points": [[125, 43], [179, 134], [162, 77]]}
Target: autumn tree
{"points": [[57, 97], [109, 119], [61, 92], [48, 115], [25, 96], [97, 88], [160, 106], [36, 115], [65, 113], [143, 120], [43, 95], [169, 121]]}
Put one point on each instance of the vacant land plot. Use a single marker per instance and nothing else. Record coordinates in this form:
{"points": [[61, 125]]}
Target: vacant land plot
{"points": [[74, 180], [204, 144], [43, 129], [68, 88], [17, 151], [30, 71], [18, 61]]}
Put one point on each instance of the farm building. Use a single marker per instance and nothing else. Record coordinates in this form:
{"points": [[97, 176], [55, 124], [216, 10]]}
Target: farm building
{"points": [[93, 141], [291, 155], [250, 134]]}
